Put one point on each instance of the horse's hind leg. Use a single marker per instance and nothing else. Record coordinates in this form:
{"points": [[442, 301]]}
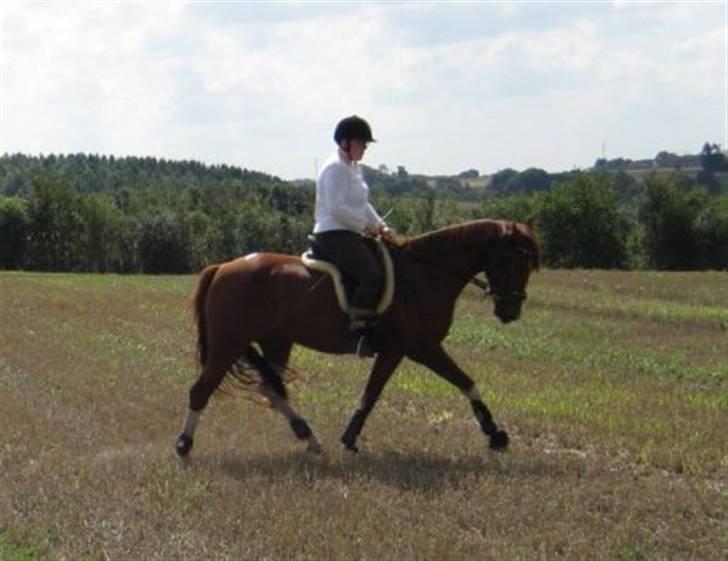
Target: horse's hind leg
{"points": [[272, 367], [209, 380]]}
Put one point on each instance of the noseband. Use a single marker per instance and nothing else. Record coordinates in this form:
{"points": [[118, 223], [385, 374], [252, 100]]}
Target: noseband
{"points": [[498, 294], [503, 294]]}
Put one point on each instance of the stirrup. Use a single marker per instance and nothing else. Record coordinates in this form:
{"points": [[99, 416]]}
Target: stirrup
{"points": [[363, 348]]}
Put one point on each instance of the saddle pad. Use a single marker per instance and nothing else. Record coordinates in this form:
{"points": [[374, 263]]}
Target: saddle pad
{"points": [[329, 268]]}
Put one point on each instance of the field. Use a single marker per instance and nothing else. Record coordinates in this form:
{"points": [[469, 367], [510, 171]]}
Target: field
{"points": [[613, 386]]}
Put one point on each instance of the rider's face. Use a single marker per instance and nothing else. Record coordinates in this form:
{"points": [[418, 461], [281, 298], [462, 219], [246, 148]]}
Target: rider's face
{"points": [[357, 149]]}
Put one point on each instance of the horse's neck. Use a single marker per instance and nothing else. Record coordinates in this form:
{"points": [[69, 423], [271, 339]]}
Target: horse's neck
{"points": [[458, 248], [449, 266]]}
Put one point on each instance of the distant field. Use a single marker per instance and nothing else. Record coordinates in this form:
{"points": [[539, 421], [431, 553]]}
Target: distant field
{"points": [[614, 387]]}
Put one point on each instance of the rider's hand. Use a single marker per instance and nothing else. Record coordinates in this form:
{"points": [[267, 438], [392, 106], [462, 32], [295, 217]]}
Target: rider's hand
{"points": [[386, 232], [380, 231]]}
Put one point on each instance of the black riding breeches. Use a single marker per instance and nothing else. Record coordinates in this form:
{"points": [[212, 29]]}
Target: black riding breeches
{"points": [[350, 253]]}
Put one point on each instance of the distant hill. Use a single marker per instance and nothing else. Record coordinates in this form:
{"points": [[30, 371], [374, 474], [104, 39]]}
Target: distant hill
{"points": [[98, 173], [89, 173]]}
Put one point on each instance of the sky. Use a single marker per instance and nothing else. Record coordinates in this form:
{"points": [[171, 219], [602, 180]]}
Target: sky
{"points": [[446, 86]]}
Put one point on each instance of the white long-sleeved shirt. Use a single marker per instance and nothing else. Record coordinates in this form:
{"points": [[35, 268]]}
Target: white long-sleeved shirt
{"points": [[342, 198]]}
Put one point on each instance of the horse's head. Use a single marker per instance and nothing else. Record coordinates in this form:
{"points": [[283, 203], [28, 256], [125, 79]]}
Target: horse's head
{"points": [[508, 266]]}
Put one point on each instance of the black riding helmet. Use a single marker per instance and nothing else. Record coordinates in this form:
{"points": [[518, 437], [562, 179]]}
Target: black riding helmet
{"points": [[353, 128]]}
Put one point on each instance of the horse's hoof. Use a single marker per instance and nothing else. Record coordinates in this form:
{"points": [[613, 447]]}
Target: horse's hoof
{"points": [[499, 440], [301, 429], [350, 446], [314, 447], [184, 445]]}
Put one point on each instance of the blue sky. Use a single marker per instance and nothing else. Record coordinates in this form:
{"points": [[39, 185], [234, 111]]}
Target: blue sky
{"points": [[447, 86]]}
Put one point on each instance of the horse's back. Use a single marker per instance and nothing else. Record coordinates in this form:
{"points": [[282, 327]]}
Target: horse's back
{"points": [[262, 279], [260, 265]]}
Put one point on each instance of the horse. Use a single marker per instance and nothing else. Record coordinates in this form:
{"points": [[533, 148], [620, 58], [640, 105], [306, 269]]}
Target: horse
{"points": [[251, 311]]}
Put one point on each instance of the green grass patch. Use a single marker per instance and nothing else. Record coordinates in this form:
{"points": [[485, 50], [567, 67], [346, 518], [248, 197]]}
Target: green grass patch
{"points": [[10, 551]]}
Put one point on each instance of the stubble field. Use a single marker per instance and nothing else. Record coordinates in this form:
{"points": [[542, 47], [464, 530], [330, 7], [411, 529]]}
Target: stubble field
{"points": [[613, 386]]}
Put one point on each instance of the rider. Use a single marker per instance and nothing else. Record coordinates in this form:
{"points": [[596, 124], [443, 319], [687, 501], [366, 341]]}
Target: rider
{"points": [[343, 216]]}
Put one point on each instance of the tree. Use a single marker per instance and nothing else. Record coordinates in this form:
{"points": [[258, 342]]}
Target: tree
{"points": [[469, 174], [164, 244], [14, 227], [423, 214], [55, 226], [582, 226], [712, 161], [712, 233], [100, 249], [669, 216], [518, 208], [666, 159], [204, 237], [500, 181], [532, 180]]}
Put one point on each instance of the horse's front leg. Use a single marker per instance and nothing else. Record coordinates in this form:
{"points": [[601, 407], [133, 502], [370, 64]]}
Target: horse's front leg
{"points": [[384, 366], [437, 360]]}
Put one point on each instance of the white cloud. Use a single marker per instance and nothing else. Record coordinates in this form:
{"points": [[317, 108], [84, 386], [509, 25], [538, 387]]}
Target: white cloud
{"points": [[446, 87]]}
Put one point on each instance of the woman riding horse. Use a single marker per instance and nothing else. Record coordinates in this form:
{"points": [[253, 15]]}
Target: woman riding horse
{"points": [[271, 300], [343, 214]]}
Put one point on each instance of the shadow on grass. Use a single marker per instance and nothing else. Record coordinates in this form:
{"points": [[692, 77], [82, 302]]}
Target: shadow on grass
{"points": [[420, 471]]}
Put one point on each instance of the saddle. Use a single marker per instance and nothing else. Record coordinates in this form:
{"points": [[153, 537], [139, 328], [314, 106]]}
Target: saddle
{"points": [[344, 286]]}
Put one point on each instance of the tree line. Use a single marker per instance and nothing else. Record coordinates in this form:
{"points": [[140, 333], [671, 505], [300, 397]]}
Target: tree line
{"points": [[143, 215]]}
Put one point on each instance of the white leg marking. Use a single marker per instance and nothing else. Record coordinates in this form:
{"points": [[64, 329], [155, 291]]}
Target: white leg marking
{"points": [[191, 422], [283, 407]]}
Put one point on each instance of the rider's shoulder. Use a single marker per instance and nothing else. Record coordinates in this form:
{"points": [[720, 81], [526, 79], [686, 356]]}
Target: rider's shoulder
{"points": [[335, 169]]}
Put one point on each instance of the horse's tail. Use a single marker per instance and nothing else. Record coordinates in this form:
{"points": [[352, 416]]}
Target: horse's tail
{"points": [[267, 372], [198, 303]]}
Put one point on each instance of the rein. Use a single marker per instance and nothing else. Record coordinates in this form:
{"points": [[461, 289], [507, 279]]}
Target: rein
{"points": [[482, 284]]}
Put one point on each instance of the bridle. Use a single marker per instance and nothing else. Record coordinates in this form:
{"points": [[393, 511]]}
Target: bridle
{"points": [[498, 295]]}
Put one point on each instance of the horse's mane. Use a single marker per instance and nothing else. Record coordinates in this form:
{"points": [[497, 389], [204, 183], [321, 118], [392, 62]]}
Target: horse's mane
{"points": [[474, 235]]}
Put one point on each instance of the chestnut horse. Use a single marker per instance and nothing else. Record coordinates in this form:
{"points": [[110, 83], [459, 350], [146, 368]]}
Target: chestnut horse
{"points": [[275, 302]]}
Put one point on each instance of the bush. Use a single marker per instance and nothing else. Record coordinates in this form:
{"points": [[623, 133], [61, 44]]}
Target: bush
{"points": [[581, 225], [669, 215], [712, 231]]}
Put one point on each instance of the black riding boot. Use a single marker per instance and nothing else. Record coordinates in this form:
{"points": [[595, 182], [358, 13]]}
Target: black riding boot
{"points": [[362, 322]]}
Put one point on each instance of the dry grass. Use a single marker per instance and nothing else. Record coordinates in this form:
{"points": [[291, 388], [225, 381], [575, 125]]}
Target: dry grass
{"points": [[614, 387]]}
